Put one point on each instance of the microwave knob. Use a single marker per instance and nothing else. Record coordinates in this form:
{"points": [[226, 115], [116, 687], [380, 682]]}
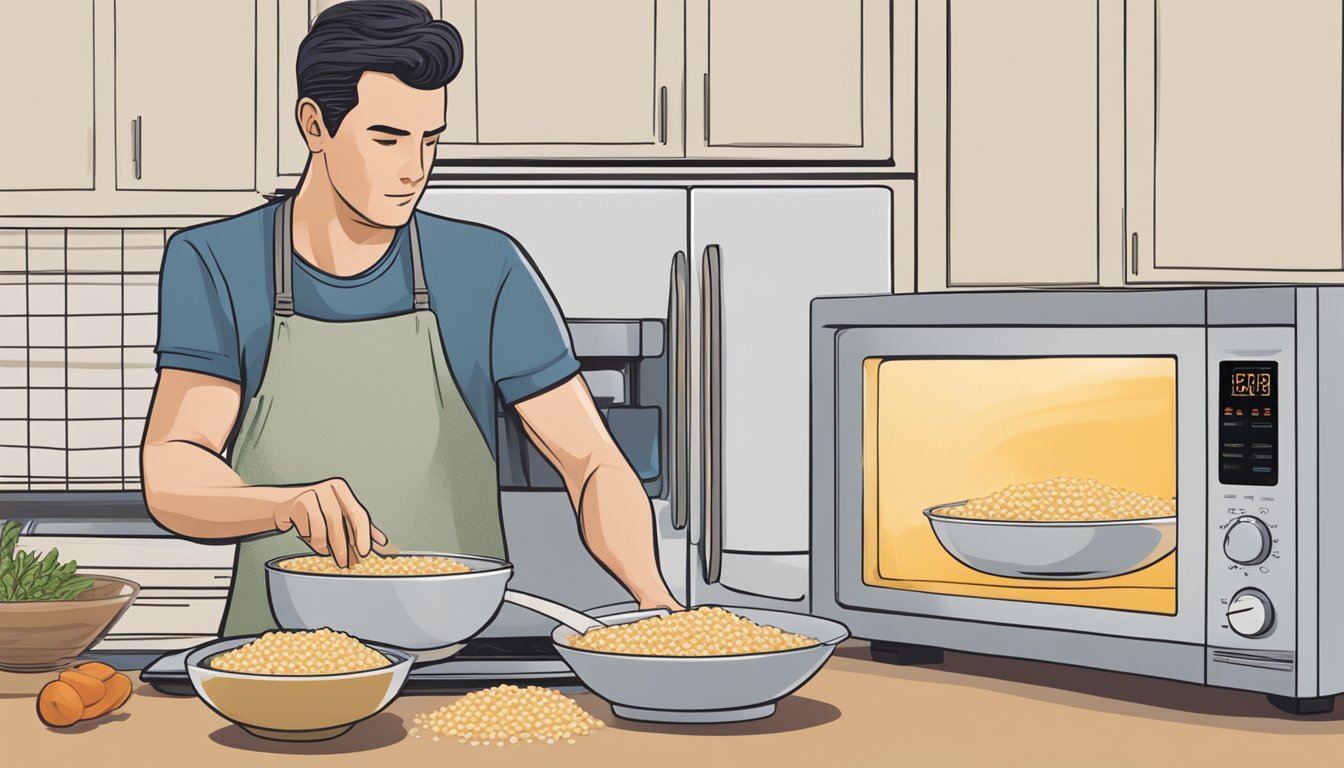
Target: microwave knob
{"points": [[1247, 541], [1250, 613]]}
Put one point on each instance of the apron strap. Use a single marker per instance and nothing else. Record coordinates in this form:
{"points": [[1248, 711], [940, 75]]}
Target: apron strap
{"points": [[281, 254], [282, 257], [418, 291]]}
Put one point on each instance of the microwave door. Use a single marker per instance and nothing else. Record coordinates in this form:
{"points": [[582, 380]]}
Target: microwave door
{"points": [[763, 254]]}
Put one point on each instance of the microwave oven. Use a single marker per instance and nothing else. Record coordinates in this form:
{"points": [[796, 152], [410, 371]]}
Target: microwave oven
{"points": [[1146, 481]]}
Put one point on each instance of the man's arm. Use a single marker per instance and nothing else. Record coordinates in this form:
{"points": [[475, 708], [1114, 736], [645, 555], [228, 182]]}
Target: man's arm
{"points": [[615, 516], [191, 490]]}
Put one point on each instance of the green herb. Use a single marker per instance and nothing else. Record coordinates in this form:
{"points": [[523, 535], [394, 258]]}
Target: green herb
{"points": [[25, 576]]}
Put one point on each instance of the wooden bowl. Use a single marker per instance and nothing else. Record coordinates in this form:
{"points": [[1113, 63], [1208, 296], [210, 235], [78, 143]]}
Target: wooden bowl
{"points": [[47, 635]]}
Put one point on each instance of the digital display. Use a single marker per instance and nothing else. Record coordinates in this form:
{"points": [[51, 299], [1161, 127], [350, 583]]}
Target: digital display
{"points": [[1248, 423], [1252, 383]]}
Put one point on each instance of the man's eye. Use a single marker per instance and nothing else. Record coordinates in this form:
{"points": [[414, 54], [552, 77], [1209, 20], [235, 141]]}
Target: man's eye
{"points": [[385, 142]]}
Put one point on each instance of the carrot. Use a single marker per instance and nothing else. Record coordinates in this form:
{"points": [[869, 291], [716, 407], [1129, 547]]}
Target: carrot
{"points": [[59, 705], [90, 689], [118, 691], [96, 669]]}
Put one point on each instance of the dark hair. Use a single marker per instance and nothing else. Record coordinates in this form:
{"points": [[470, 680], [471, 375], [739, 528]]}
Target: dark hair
{"points": [[398, 37]]}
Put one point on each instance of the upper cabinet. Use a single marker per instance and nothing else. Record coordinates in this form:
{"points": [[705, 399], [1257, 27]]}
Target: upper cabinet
{"points": [[578, 79], [772, 80], [1234, 132], [47, 50], [791, 79], [185, 95], [1022, 142]]}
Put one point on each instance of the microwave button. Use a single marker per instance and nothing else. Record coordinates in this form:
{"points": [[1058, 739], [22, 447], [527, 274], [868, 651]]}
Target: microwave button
{"points": [[1247, 541], [1231, 467], [1250, 614], [1233, 455], [1261, 456], [1233, 423], [1262, 425], [1262, 470]]}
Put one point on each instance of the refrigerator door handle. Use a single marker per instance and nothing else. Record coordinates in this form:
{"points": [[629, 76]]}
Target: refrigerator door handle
{"points": [[711, 414], [679, 391]]}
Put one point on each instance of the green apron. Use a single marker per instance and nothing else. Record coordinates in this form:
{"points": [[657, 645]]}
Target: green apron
{"points": [[373, 402]]}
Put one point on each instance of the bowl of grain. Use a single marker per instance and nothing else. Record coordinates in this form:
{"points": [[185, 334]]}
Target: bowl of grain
{"points": [[711, 664], [1064, 528], [417, 601], [297, 686]]}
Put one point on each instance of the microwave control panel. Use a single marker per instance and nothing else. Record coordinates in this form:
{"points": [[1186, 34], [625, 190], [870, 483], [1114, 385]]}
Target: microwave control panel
{"points": [[1248, 422], [1252, 507]]}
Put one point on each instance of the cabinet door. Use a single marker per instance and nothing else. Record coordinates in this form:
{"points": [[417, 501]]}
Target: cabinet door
{"points": [[792, 79], [293, 21], [578, 79], [46, 49], [1022, 142], [185, 94], [1234, 161]]}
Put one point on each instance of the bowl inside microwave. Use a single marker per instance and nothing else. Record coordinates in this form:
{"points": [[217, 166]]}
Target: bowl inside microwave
{"points": [[1053, 550]]}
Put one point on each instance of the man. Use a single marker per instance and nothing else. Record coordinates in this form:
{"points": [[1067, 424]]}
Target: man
{"points": [[351, 378]]}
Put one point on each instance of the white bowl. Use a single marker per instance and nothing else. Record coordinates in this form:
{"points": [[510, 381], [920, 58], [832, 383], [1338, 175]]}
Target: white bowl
{"points": [[417, 613], [703, 689], [1053, 550]]}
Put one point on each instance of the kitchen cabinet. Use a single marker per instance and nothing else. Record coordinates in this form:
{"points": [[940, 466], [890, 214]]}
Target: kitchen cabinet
{"points": [[580, 79], [1244, 183], [797, 79], [583, 79], [47, 48], [1022, 142], [185, 95]]}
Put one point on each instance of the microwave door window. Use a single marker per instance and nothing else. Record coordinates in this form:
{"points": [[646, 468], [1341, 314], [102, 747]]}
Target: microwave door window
{"points": [[1041, 479]]}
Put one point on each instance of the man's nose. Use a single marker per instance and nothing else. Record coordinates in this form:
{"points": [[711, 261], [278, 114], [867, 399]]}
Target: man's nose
{"points": [[413, 171]]}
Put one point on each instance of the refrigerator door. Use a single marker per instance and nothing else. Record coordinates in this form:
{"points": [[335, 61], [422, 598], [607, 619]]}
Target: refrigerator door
{"points": [[759, 256], [605, 253]]}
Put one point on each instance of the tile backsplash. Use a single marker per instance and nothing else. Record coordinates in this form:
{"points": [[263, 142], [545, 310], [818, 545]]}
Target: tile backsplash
{"points": [[78, 323]]}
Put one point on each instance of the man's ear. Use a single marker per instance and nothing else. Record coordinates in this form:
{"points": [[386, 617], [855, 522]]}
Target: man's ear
{"points": [[309, 117]]}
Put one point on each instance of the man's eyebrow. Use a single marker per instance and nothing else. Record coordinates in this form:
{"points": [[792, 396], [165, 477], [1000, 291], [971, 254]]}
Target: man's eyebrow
{"points": [[389, 129], [436, 131]]}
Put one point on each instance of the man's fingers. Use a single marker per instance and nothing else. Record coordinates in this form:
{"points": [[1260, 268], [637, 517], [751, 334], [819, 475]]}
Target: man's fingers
{"points": [[311, 512], [355, 515], [298, 518], [377, 535], [331, 515]]}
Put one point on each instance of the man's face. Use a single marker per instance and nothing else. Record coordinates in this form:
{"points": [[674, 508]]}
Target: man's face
{"points": [[380, 158]]}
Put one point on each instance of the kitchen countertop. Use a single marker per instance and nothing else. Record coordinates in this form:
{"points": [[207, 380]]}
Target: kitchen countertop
{"points": [[970, 710]]}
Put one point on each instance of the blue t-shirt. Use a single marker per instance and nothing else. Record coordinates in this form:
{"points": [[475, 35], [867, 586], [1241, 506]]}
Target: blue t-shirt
{"points": [[503, 334]]}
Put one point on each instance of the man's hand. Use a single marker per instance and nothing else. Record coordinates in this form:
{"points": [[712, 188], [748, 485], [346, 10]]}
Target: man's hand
{"points": [[668, 601], [331, 520]]}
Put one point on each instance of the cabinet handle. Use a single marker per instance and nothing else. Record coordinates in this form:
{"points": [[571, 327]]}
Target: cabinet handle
{"points": [[711, 414], [135, 145], [706, 110], [662, 115], [1134, 254]]}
